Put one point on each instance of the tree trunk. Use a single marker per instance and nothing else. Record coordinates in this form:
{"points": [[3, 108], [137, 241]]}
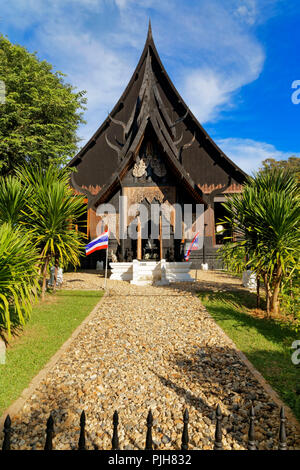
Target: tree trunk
{"points": [[44, 278], [268, 293], [275, 304]]}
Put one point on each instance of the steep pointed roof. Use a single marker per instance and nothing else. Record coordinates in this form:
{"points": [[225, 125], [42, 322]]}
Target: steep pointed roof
{"points": [[150, 99]]}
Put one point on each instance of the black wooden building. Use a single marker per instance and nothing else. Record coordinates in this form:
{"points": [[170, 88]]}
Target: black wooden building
{"points": [[152, 149]]}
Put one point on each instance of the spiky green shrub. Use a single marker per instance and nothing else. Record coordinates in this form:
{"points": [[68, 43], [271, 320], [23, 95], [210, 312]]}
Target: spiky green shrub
{"points": [[13, 198], [233, 257], [290, 297], [18, 276], [51, 217], [266, 221]]}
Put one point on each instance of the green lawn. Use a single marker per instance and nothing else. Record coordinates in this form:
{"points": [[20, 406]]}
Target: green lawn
{"points": [[50, 325], [266, 343]]}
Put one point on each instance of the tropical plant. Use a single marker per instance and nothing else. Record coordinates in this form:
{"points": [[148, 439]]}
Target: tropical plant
{"points": [[52, 213], [13, 198], [290, 297], [266, 221], [18, 276], [233, 256]]}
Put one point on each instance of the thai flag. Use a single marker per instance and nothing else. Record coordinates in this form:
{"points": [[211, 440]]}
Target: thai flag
{"points": [[100, 243], [193, 246]]}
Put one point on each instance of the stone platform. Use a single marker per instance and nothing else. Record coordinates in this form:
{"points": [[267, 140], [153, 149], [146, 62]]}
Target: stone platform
{"points": [[142, 273]]}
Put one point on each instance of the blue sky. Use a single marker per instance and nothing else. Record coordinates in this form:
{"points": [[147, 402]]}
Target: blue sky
{"points": [[233, 61]]}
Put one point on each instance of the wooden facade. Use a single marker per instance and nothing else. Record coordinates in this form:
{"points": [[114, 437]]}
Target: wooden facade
{"points": [[152, 149]]}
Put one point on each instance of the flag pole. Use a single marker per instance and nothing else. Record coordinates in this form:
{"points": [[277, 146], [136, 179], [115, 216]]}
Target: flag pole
{"points": [[106, 267], [106, 264]]}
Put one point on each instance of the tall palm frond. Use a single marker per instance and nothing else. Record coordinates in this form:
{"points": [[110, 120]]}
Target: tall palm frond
{"points": [[18, 276], [13, 198]]}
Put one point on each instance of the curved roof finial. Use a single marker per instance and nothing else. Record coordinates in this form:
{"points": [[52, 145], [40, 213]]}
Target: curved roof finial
{"points": [[149, 35]]}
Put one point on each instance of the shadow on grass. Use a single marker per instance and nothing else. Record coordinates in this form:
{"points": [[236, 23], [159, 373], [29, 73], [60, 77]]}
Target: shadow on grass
{"points": [[232, 306], [15, 327]]}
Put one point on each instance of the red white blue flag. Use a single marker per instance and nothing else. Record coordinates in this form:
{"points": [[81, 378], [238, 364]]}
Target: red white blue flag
{"points": [[193, 246], [100, 243]]}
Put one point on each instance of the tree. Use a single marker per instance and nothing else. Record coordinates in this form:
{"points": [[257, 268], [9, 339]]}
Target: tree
{"points": [[51, 216], [41, 113], [292, 164], [266, 221]]}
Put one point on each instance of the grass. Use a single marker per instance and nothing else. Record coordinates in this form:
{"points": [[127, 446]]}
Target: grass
{"points": [[50, 325], [266, 342]]}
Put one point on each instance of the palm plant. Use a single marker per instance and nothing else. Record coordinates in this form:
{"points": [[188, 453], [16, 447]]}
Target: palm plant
{"points": [[52, 212], [13, 198], [18, 276], [266, 222]]}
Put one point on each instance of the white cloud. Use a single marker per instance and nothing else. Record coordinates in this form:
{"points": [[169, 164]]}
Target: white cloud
{"points": [[228, 57], [247, 11], [209, 49], [100, 71], [207, 93], [248, 154]]}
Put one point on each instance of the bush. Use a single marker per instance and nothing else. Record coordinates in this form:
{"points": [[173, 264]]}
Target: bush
{"points": [[290, 298], [233, 257], [18, 276]]}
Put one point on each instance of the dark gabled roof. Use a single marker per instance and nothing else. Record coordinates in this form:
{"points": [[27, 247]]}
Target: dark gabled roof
{"points": [[147, 101]]}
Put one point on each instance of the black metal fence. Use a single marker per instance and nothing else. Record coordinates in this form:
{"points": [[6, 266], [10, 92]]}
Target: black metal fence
{"points": [[218, 445]]}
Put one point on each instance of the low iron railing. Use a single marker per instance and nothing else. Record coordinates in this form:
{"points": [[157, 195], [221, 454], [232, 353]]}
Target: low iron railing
{"points": [[218, 445]]}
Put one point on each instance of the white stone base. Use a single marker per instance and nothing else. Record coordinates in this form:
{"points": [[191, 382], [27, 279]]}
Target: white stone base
{"points": [[59, 279], [141, 283], [164, 282], [204, 267], [121, 271], [143, 273], [179, 272], [2, 351], [249, 280], [99, 266]]}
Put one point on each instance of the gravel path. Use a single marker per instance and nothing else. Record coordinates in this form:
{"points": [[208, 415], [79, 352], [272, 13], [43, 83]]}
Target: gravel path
{"points": [[148, 348]]}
